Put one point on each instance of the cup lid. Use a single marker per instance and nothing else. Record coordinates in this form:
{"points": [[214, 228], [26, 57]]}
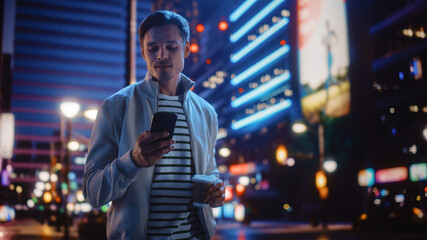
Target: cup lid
{"points": [[204, 178]]}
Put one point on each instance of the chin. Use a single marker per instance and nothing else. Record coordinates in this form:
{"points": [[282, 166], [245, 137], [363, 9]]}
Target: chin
{"points": [[164, 77]]}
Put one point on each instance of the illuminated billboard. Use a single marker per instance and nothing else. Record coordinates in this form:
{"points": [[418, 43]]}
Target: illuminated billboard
{"points": [[323, 58], [396, 174], [418, 172]]}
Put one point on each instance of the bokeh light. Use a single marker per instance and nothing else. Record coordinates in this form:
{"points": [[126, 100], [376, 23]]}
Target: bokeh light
{"points": [[194, 47], [281, 154], [224, 152], [69, 109], [223, 25], [330, 166], [200, 28]]}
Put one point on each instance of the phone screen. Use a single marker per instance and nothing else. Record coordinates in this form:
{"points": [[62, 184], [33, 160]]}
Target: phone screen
{"points": [[164, 122]]}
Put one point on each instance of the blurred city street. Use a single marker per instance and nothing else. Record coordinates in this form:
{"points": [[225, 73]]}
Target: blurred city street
{"points": [[304, 112], [226, 230]]}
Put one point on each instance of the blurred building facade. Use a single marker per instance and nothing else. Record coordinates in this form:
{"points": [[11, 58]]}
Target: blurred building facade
{"points": [[396, 155], [61, 51]]}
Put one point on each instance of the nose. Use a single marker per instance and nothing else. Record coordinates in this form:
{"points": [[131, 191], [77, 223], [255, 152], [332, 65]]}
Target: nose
{"points": [[162, 54]]}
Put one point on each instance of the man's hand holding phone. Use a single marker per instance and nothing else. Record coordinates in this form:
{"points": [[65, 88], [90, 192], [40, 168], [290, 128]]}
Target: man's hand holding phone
{"points": [[152, 145]]}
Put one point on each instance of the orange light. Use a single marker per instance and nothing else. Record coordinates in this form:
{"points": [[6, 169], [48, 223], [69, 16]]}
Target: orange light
{"points": [[281, 154], [57, 199], [282, 42], [364, 216], [194, 47], [240, 90], [240, 189], [320, 179], [223, 25], [208, 61], [228, 193], [200, 28], [425, 189], [242, 169], [323, 193], [47, 197]]}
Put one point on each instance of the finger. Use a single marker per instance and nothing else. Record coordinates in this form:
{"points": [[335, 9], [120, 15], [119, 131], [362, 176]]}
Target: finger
{"points": [[157, 155], [218, 202], [154, 136], [216, 194], [156, 146], [216, 186], [143, 135]]}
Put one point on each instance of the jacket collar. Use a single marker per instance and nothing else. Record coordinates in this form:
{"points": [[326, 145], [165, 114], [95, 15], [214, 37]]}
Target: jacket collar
{"points": [[151, 88]]}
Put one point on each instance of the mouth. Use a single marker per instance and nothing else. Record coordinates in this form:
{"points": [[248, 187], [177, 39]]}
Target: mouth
{"points": [[163, 66]]}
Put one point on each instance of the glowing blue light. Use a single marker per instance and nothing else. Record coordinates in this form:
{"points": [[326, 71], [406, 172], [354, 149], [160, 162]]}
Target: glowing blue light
{"points": [[248, 48], [261, 115], [260, 65], [241, 10], [72, 176], [370, 173], [401, 76], [393, 131], [415, 66], [384, 193], [255, 20], [228, 210], [260, 91]]}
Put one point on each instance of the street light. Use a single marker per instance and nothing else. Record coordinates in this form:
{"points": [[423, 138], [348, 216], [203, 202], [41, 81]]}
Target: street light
{"points": [[69, 110], [299, 127], [281, 154], [91, 114], [330, 166], [321, 179]]}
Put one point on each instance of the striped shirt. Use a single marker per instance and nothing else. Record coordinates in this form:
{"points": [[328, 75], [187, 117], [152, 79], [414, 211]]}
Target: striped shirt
{"points": [[172, 214]]}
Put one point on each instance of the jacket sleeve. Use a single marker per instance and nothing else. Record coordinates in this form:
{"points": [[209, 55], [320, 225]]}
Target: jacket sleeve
{"points": [[211, 165], [106, 176]]}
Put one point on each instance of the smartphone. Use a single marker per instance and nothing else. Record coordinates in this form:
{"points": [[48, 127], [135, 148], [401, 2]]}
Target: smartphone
{"points": [[164, 122]]}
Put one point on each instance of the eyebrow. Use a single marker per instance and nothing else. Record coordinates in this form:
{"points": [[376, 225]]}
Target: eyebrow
{"points": [[170, 42]]}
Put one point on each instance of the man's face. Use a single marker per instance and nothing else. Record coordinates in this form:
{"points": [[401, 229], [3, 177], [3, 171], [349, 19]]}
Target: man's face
{"points": [[164, 51]]}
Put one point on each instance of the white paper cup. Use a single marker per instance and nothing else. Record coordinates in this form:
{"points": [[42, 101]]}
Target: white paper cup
{"points": [[201, 184]]}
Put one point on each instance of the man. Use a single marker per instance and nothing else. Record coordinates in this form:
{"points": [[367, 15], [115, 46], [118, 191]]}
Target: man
{"points": [[146, 178]]}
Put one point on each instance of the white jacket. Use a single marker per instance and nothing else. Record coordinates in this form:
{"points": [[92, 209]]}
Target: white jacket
{"points": [[111, 175]]}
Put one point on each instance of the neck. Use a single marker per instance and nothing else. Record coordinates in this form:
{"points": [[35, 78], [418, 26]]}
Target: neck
{"points": [[171, 87]]}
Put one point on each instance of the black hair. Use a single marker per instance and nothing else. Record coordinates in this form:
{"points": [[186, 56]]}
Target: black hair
{"points": [[161, 18]]}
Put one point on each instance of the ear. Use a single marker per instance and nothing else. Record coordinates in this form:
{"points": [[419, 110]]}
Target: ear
{"points": [[142, 52], [187, 49]]}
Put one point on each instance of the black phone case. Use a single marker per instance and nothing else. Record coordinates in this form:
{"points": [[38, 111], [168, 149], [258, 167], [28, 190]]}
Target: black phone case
{"points": [[164, 122]]}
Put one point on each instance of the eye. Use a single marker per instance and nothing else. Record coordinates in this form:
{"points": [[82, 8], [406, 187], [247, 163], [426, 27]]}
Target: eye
{"points": [[153, 49], [172, 48]]}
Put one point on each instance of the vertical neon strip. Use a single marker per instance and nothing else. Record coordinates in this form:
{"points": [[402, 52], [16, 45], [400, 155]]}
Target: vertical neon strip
{"points": [[260, 65], [261, 115], [255, 20], [241, 10]]}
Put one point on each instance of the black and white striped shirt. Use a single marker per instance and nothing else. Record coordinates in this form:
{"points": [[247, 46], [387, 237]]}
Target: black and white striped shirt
{"points": [[172, 214]]}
